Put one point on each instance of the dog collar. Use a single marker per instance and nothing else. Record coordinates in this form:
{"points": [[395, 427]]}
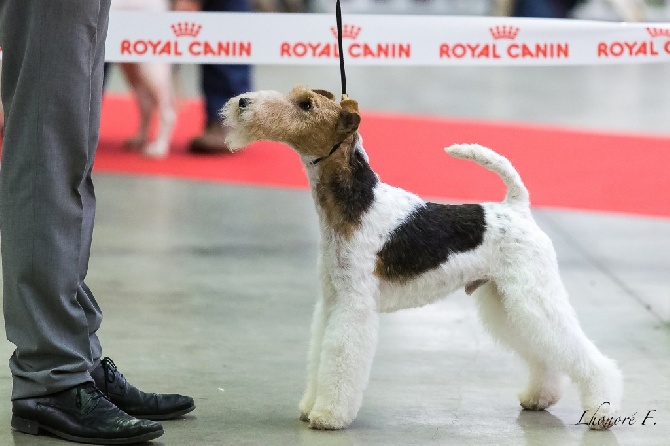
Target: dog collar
{"points": [[318, 160]]}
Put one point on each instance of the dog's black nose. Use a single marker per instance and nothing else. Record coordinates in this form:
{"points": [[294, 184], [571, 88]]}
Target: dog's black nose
{"points": [[243, 102]]}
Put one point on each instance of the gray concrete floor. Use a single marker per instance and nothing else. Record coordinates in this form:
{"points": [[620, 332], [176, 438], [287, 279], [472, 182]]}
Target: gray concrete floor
{"points": [[208, 289]]}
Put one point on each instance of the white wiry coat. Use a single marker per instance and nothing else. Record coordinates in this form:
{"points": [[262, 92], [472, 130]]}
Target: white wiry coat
{"points": [[523, 303]]}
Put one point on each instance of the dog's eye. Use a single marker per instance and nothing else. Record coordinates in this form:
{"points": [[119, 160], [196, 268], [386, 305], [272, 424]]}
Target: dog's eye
{"points": [[305, 104]]}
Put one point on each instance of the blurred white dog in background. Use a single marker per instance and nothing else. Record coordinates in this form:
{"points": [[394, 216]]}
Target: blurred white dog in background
{"points": [[151, 83]]}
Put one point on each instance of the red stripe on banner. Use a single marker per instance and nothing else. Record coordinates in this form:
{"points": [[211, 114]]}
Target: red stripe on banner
{"points": [[623, 173]]}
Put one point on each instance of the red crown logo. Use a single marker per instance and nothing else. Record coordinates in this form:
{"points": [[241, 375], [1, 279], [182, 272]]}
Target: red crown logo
{"points": [[658, 32], [189, 29], [348, 31], [504, 32]]}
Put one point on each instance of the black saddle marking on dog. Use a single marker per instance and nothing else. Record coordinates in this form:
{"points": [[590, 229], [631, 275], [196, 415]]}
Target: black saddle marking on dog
{"points": [[428, 237], [354, 193]]}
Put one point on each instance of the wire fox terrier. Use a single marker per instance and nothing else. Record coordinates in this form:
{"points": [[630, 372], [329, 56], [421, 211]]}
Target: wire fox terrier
{"points": [[384, 249]]}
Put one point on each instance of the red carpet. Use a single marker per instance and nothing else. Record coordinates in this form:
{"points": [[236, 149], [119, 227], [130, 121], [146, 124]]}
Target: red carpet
{"points": [[622, 173]]}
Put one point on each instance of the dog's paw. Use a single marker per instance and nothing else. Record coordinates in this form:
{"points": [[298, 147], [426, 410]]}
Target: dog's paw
{"points": [[538, 400], [305, 406], [599, 418], [325, 420]]}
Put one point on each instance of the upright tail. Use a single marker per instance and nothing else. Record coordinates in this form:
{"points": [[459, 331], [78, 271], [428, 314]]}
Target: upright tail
{"points": [[516, 191]]}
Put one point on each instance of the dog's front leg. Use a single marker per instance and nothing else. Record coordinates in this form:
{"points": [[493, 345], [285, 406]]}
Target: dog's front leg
{"points": [[318, 328], [347, 351]]}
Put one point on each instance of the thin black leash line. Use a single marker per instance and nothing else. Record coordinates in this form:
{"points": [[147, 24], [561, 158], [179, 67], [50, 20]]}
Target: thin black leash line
{"points": [[343, 76], [338, 19]]}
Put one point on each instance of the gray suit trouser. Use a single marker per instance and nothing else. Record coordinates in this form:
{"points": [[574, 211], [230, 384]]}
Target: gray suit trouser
{"points": [[52, 72]]}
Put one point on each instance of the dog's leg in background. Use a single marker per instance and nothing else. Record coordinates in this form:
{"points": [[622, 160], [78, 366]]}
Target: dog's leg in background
{"points": [[347, 352], [546, 328], [545, 384], [316, 340]]}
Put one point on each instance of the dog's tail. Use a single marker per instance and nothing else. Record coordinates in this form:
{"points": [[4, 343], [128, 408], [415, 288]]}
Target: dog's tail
{"points": [[516, 191]]}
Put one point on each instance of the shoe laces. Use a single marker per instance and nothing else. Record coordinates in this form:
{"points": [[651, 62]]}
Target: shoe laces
{"points": [[111, 372], [91, 390]]}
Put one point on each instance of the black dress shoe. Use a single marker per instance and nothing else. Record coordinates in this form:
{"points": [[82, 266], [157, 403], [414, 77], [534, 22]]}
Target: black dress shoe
{"points": [[81, 414], [149, 406]]}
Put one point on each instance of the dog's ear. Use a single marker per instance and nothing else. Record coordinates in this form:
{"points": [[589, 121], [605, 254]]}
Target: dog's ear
{"points": [[325, 93], [349, 105], [347, 123], [349, 117]]}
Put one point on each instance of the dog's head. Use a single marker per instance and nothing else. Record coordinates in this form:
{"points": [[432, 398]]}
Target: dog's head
{"points": [[310, 121]]}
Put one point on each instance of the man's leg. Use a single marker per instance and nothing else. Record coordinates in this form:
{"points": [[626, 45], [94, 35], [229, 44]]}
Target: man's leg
{"points": [[536, 8], [220, 82], [52, 89], [87, 192]]}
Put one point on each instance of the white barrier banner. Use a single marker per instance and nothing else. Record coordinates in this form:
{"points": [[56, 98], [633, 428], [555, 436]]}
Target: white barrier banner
{"points": [[311, 39]]}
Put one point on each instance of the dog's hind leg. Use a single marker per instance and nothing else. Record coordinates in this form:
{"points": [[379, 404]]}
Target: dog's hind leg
{"points": [[545, 384], [544, 320], [347, 352]]}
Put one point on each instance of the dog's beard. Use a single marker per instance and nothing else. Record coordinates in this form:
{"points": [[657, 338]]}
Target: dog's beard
{"points": [[236, 140]]}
